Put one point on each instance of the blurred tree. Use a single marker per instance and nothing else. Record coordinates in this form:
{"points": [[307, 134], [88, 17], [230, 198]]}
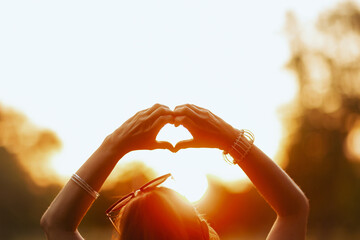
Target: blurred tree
{"points": [[22, 202], [323, 141], [31, 145], [23, 149]]}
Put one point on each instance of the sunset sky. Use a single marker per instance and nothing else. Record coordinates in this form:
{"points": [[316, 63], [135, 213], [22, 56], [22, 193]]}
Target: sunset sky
{"points": [[81, 68]]}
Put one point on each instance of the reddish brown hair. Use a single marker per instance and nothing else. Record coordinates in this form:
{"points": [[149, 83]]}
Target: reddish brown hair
{"points": [[162, 213]]}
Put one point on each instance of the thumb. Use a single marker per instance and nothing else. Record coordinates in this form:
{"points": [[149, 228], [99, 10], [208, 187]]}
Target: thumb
{"points": [[189, 143], [163, 145]]}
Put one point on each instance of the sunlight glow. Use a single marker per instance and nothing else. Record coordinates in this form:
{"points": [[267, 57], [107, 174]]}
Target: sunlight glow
{"points": [[190, 186], [105, 68], [353, 142], [173, 134], [57, 163]]}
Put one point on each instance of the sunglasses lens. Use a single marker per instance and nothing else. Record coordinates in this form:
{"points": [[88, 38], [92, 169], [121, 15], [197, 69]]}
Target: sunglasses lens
{"points": [[119, 204], [156, 182]]}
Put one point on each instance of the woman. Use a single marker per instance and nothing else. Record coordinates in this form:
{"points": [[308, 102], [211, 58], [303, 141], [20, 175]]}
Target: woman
{"points": [[158, 213]]}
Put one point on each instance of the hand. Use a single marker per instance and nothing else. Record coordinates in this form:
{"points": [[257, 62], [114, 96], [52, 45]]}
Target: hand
{"points": [[140, 131], [207, 129]]}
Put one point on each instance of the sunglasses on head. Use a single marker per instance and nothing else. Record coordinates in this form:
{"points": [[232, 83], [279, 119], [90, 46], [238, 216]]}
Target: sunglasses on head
{"points": [[113, 211]]}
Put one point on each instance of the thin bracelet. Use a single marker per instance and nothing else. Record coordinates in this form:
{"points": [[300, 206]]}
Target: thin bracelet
{"points": [[84, 185], [240, 148]]}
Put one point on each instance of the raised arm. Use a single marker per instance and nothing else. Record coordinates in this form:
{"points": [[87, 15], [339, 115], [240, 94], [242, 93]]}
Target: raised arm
{"points": [[62, 218], [278, 189]]}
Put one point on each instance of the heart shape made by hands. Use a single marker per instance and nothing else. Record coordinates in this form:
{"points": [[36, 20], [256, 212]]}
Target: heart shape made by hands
{"points": [[173, 135]]}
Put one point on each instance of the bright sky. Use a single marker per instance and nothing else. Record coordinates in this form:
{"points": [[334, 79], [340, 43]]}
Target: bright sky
{"points": [[81, 68]]}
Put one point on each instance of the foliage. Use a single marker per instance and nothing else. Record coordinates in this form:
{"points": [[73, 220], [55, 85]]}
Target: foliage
{"points": [[324, 119]]}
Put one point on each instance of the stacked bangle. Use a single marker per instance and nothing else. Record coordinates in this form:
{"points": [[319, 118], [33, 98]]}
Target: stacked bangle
{"points": [[84, 185], [240, 148]]}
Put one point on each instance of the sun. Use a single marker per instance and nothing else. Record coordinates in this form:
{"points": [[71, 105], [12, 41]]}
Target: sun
{"points": [[192, 188]]}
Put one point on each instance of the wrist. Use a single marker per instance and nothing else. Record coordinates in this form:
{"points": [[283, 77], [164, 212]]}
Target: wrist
{"points": [[231, 138], [240, 147], [114, 146]]}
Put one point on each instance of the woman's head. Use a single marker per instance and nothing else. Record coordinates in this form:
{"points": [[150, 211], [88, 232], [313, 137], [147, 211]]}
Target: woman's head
{"points": [[161, 213]]}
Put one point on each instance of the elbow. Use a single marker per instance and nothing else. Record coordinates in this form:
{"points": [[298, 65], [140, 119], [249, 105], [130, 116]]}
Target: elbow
{"points": [[44, 222], [298, 207], [47, 224], [301, 207], [50, 229], [57, 227]]}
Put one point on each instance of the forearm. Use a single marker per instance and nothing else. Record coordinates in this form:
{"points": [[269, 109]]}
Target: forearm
{"points": [[71, 204], [279, 190], [289, 202]]}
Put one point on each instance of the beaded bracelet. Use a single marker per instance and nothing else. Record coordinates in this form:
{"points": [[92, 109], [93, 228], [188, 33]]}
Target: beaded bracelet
{"points": [[84, 185], [240, 148]]}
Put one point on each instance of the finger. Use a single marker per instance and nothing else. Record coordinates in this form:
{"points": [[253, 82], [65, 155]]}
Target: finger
{"points": [[136, 116], [182, 106], [178, 120], [163, 145], [161, 121], [198, 109], [191, 106], [189, 143], [185, 121], [155, 107], [203, 112], [185, 110], [193, 111], [161, 111]]}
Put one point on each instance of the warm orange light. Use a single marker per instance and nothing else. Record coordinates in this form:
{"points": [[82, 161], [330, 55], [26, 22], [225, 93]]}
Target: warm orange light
{"points": [[173, 134], [190, 186], [353, 143]]}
